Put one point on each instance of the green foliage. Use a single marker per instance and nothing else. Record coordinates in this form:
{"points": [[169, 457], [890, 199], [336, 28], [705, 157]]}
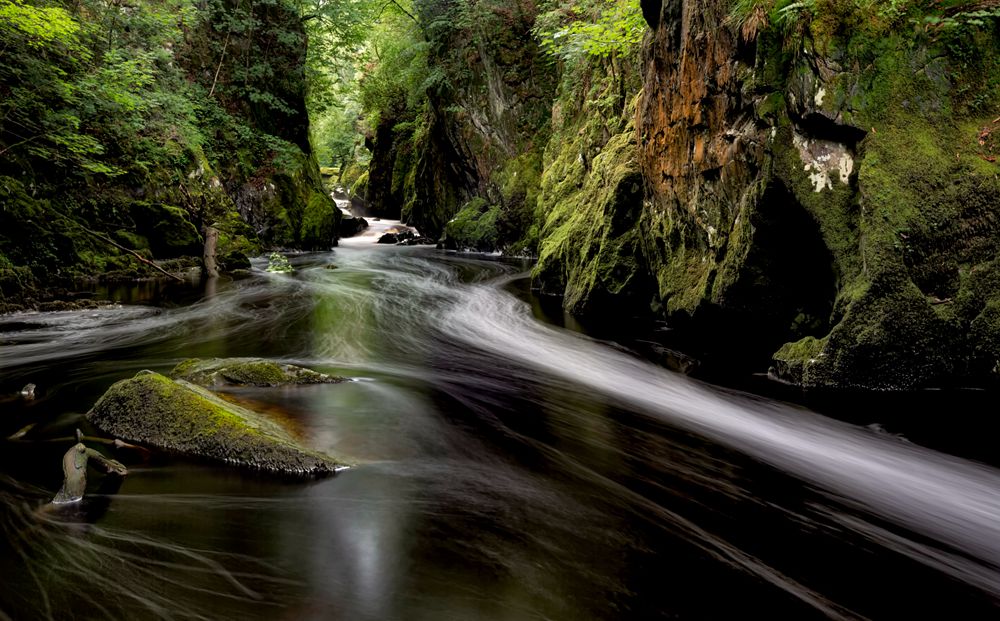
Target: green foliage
{"points": [[600, 28], [94, 94], [40, 27], [169, 104], [875, 17], [397, 75], [278, 264], [475, 227], [981, 18]]}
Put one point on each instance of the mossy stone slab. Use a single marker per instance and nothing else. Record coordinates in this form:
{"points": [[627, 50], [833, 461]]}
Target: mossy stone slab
{"points": [[180, 416], [248, 372]]}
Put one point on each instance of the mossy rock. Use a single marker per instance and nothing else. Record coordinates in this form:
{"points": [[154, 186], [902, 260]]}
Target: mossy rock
{"points": [[131, 240], [474, 227], [248, 372], [16, 282], [168, 230], [320, 222], [590, 249], [232, 261], [180, 416]]}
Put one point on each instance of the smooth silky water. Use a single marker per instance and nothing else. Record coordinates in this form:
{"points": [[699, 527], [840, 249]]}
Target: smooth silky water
{"points": [[507, 468]]}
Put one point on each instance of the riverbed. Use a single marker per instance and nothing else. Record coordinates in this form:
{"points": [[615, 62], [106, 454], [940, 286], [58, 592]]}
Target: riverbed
{"points": [[507, 468]]}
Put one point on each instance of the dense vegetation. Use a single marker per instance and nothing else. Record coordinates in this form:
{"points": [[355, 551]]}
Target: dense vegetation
{"points": [[136, 125], [761, 172], [818, 176]]}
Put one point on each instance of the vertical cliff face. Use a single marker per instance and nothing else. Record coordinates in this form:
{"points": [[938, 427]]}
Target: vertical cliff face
{"points": [[666, 203], [812, 188], [591, 195], [477, 134], [730, 252], [258, 144], [702, 151], [822, 185]]}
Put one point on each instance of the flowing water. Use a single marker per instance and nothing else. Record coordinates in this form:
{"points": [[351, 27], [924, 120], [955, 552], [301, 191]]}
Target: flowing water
{"points": [[508, 468]]}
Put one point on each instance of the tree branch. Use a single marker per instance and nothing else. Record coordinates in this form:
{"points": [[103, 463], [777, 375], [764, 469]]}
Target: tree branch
{"points": [[131, 252]]}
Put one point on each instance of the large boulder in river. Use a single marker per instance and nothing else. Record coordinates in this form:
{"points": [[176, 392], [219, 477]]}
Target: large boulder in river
{"points": [[180, 416], [248, 372], [352, 225]]}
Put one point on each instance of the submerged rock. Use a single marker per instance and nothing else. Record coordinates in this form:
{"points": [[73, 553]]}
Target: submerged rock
{"points": [[396, 235], [418, 241], [248, 372], [28, 392], [180, 416]]}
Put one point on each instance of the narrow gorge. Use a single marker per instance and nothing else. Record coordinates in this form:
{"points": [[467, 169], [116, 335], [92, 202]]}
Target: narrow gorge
{"points": [[499, 309], [815, 185]]}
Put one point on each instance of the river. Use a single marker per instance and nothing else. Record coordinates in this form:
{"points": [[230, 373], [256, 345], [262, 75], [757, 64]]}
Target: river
{"points": [[508, 468]]}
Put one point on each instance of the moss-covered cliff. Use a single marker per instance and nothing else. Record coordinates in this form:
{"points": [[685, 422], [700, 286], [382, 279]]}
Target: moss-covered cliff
{"points": [[464, 132], [812, 184], [823, 182], [819, 187], [591, 194], [144, 126]]}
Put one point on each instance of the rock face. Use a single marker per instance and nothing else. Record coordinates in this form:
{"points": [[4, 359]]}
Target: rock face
{"points": [[820, 195], [394, 238], [807, 186], [481, 139], [180, 416], [729, 250], [247, 372], [592, 193]]}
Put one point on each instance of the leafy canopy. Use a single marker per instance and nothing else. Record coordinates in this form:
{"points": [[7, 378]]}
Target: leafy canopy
{"points": [[600, 28]]}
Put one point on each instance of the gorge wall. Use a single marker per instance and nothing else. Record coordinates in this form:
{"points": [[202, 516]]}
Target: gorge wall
{"points": [[833, 187], [815, 191], [467, 157]]}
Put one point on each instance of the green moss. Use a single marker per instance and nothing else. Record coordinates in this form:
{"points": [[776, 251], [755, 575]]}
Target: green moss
{"points": [[984, 333], [186, 368], [836, 210], [179, 416], [319, 221], [474, 227], [236, 236], [257, 373], [247, 372], [359, 186], [590, 247], [167, 228], [792, 361], [350, 175], [131, 240], [914, 240]]}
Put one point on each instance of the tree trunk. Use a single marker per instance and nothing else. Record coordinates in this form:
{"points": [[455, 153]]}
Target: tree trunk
{"points": [[211, 235], [74, 475], [75, 471]]}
